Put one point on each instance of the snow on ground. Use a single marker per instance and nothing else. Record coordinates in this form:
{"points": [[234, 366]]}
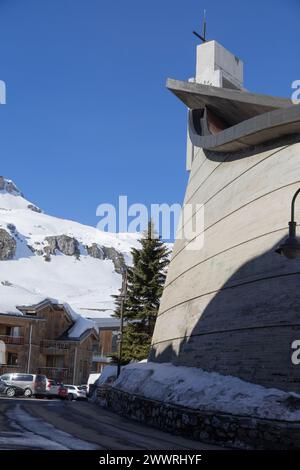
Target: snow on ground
{"points": [[198, 389], [86, 284]]}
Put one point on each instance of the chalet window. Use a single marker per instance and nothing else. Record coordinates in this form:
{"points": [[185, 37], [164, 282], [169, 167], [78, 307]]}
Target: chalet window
{"points": [[114, 341], [54, 361], [8, 330], [50, 361], [13, 331], [12, 359], [2, 352]]}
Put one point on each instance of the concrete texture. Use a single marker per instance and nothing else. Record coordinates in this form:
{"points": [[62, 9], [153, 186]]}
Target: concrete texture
{"points": [[233, 306], [217, 66], [223, 120], [233, 106], [258, 130]]}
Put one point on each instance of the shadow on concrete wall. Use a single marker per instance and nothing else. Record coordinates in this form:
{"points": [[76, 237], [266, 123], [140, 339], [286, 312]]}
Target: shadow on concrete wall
{"points": [[248, 327]]}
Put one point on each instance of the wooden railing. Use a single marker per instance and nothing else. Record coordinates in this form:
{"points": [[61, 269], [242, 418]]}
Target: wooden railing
{"points": [[57, 373], [7, 339], [7, 369], [101, 358], [49, 346]]}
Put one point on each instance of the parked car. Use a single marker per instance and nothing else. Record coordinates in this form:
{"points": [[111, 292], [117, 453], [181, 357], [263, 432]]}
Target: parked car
{"points": [[32, 384], [63, 392], [10, 390], [53, 389], [82, 391], [75, 392]]}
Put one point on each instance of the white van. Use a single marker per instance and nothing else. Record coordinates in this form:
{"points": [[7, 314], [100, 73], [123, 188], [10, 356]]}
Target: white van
{"points": [[91, 380]]}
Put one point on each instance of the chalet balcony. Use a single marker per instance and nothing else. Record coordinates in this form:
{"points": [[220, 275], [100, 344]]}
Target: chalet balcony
{"points": [[56, 373], [16, 340], [7, 369], [54, 347], [99, 358]]}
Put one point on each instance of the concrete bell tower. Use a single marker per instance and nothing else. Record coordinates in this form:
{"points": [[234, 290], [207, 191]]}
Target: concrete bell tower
{"points": [[217, 67]]}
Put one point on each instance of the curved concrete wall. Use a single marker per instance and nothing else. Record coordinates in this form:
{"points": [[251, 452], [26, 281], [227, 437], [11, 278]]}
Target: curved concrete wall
{"points": [[234, 305]]}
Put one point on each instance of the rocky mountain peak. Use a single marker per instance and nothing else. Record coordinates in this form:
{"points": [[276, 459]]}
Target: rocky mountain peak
{"points": [[43, 256], [9, 186]]}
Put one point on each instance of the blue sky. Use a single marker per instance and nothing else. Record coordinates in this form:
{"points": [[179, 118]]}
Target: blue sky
{"points": [[88, 116]]}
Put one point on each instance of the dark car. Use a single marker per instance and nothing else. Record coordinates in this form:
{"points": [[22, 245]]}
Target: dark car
{"points": [[10, 390]]}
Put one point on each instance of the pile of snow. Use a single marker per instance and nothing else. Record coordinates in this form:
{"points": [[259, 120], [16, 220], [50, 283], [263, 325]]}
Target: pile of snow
{"points": [[108, 375], [86, 284], [198, 389]]}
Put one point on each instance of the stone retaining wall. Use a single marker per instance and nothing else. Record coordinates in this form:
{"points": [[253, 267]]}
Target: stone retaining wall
{"points": [[229, 430]]}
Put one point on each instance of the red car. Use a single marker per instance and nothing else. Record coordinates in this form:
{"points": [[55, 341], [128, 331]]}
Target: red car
{"points": [[62, 392]]}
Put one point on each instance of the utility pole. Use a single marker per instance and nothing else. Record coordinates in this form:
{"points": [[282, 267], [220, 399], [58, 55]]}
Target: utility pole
{"points": [[75, 365], [123, 298], [29, 349]]}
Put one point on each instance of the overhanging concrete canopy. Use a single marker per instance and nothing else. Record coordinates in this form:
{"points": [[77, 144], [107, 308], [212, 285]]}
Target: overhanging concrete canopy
{"points": [[225, 120], [232, 106]]}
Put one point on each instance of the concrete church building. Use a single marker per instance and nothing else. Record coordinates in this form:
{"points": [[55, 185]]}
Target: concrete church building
{"points": [[233, 306]]}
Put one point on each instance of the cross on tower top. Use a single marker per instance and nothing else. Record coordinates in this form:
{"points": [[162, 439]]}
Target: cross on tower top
{"points": [[203, 35]]}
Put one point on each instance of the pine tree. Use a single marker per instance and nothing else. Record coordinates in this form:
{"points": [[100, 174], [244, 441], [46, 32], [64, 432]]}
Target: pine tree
{"points": [[145, 281]]}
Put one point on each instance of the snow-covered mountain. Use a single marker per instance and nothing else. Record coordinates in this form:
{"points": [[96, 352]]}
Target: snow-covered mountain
{"points": [[47, 257]]}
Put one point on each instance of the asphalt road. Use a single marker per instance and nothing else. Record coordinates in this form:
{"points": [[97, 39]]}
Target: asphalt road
{"points": [[61, 425]]}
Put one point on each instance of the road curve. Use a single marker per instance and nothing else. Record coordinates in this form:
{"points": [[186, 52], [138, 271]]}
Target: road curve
{"points": [[57, 425]]}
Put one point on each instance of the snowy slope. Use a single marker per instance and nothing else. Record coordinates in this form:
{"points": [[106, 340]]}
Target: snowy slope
{"points": [[85, 282]]}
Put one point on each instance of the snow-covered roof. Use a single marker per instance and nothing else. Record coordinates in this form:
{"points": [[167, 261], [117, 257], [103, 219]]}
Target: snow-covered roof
{"points": [[107, 322], [80, 325]]}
